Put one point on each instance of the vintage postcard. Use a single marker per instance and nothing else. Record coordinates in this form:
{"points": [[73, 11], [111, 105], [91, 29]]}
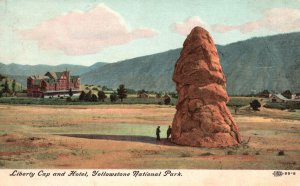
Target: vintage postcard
{"points": [[150, 92]]}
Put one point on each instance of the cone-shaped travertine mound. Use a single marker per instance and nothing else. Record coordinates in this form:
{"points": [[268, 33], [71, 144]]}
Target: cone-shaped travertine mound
{"points": [[202, 118]]}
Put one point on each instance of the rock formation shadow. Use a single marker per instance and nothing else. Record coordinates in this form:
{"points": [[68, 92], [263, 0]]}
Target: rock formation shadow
{"points": [[129, 138]]}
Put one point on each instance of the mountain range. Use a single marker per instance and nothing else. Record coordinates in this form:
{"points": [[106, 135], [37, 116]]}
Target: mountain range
{"points": [[250, 66]]}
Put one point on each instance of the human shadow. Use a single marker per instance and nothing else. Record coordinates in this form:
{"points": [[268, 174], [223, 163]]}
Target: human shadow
{"points": [[143, 139]]}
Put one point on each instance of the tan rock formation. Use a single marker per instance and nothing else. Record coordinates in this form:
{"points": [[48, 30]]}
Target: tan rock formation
{"points": [[202, 118]]}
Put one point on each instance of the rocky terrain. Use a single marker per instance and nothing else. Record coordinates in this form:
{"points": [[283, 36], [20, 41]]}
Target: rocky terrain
{"points": [[202, 118]]}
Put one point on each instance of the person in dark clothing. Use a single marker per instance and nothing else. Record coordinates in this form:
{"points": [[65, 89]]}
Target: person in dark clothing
{"points": [[169, 132], [158, 133]]}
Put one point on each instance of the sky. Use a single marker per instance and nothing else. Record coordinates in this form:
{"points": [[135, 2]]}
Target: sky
{"points": [[87, 31]]}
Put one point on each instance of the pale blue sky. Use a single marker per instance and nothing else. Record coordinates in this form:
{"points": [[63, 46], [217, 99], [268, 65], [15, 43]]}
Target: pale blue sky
{"points": [[157, 15]]}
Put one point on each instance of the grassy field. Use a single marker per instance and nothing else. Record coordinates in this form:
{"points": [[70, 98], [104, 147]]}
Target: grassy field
{"points": [[75, 101], [132, 99], [123, 136]]}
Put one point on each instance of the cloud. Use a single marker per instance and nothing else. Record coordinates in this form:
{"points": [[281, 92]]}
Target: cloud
{"points": [[82, 33], [187, 25], [275, 19]]}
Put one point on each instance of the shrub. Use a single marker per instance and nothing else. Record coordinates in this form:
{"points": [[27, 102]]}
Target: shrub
{"points": [[287, 94], [88, 96], [113, 97], [101, 96], [70, 92], [255, 104], [167, 100], [281, 153], [82, 96], [206, 154], [69, 99], [94, 98]]}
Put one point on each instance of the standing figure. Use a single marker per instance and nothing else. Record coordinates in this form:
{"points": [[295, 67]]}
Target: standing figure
{"points": [[169, 131], [158, 133]]}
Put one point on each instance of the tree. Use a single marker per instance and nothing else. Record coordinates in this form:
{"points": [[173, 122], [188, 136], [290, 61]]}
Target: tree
{"points": [[264, 94], [70, 92], [94, 98], [167, 100], [122, 92], [82, 96], [174, 95], [88, 96], [13, 86], [255, 104], [113, 97], [287, 94], [5, 88], [101, 96]]}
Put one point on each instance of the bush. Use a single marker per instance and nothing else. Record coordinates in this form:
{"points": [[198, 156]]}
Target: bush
{"points": [[255, 104], [69, 99], [113, 97], [287, 94], [94, 98], [88, 96], [82, 96], [281, 153], [206, 154], [101, 96], [167, 100], [70, 92]]}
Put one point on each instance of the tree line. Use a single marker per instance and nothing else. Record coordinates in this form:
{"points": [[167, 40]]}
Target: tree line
{"points": [[101, 96]]}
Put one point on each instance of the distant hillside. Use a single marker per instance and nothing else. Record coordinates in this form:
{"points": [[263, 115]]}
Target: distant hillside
{"points": [[253, 65], [271, 63], [26, 70], [149, 72], [20, 72]]}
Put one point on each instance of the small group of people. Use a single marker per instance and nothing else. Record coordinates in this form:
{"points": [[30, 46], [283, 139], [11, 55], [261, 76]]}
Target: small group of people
{"points": [[169, 131]]}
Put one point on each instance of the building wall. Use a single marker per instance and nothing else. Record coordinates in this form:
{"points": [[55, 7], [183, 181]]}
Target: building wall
{"points": [[63, 83]]}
